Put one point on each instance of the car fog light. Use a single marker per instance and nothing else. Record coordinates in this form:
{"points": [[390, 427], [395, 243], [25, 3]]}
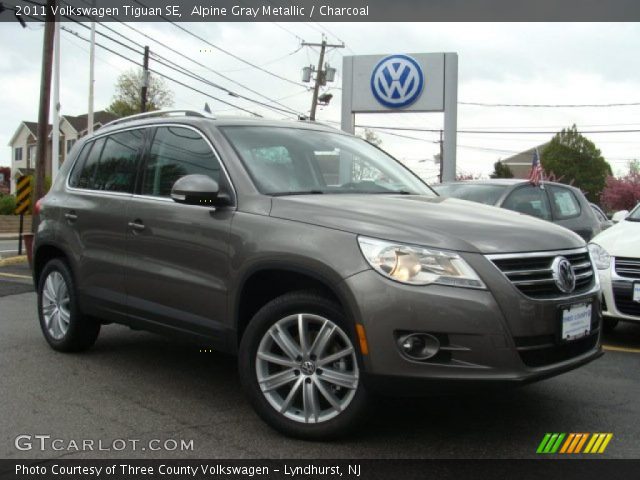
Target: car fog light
{"points": [[419, 346]]}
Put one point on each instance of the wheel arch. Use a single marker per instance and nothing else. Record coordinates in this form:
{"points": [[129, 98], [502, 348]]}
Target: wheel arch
{"points": [[266, 281]]}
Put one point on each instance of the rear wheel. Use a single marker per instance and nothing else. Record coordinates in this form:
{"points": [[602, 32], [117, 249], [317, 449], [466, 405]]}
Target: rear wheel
{"points": [[300, 369], [63, 326]]}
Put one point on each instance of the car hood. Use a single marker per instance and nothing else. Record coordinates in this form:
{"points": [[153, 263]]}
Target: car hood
{"points": [[440, 222], [621, 240]]}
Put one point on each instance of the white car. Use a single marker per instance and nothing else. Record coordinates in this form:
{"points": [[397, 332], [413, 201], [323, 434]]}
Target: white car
{"points": [[616, 253]]}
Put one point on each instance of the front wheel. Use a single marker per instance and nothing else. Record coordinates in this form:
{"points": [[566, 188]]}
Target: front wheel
{"points": [[299, 367]]}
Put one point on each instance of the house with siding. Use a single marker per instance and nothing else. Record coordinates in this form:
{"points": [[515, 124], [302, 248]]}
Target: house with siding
{"points": [[520, 163], [24, 140]]}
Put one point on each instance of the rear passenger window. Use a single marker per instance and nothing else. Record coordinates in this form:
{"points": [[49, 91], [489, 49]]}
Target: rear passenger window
{"points": [[116, 171], [565, 203], [85, 169], [176, 152], [110, 164]]}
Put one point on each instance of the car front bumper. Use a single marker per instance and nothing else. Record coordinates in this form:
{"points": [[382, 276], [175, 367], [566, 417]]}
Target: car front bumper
{"points": [[618, 295], [482, 341]]}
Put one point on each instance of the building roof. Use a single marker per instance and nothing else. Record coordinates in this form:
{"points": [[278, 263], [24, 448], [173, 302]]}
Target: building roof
{"points": [[33, 128], [520, 163], [79, 122]]}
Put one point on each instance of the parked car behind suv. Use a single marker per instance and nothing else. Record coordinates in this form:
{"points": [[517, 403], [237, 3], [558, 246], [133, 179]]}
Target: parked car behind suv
{"points": [[329, 268], [617, 256], [558, 203]]}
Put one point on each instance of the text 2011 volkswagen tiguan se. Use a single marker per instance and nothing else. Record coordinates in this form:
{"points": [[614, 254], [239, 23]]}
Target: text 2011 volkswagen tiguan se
{"points": [[328, 267]]}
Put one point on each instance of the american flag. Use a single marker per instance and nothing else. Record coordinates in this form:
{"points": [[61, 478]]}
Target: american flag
{"points": [[536, 175]]}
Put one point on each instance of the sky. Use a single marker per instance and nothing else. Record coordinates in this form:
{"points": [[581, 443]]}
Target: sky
{"points": [[506, 63]]}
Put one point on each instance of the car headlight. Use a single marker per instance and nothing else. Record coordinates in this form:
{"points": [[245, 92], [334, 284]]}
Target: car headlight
{"points": [[600, 256], [418, 265]]}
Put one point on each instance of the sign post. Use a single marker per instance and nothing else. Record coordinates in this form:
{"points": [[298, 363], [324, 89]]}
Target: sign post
{"points": [[24, 188], [421, 82]]}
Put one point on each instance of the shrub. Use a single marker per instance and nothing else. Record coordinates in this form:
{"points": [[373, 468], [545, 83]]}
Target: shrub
{"points": [[7, 204]]}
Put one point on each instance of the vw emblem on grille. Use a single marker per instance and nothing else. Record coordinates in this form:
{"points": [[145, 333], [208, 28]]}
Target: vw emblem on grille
{"points": [[563, 274], [397, 81]]}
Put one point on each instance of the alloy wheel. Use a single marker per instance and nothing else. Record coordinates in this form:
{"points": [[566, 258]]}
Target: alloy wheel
{"points": [[306, 368], [56, 305]]}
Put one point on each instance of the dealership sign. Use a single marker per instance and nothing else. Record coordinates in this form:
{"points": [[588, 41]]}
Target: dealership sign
{"points": [[401, 82]]}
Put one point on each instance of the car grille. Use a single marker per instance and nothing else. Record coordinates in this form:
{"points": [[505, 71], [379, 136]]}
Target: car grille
{"points": [[623, 296], [532, 275], [627, 267]]}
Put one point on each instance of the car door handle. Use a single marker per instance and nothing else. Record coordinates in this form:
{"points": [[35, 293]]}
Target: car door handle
{"points": [[136, 225], [71, 216]]}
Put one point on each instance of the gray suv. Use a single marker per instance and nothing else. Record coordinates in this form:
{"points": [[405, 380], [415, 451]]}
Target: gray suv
{"points": [[330, 269]]}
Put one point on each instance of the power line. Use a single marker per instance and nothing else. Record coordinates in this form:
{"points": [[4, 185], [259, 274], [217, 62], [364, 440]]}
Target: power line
{"points": [[292, 111], [163, 75], [269, 72], [496, 132], [174, 66], [551, 105]]}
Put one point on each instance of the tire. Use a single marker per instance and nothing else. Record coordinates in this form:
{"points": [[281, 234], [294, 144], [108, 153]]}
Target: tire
{"points": [[338, 406], [63, 326], [608, 324]]}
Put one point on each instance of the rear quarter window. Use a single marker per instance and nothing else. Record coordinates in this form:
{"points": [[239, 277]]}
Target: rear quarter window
{"points": [[565, 204]]}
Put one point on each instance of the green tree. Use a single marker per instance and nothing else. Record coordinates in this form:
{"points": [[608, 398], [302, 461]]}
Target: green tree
{"points": [[128, 96], [500, 170], [575, 158]]}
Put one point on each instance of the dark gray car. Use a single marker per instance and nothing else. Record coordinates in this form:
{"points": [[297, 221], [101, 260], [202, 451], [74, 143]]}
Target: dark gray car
{"points": [[556, 202], [329, 268]]}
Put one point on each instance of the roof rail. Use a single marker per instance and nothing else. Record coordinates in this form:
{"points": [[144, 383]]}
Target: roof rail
{"points": [[156, 113]]}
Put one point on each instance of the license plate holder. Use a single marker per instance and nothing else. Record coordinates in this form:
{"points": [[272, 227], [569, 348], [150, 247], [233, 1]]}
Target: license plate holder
{"points": [[575, 321]]}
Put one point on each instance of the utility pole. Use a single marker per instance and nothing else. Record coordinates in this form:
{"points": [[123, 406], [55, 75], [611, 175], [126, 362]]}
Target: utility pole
{"points": [[145, 80], [321, 75], [55, 133], [441, 142], [45, 99], [92, 62]]}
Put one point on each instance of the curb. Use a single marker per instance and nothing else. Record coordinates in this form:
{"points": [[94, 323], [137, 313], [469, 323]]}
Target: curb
{"points": [[13, 260]]}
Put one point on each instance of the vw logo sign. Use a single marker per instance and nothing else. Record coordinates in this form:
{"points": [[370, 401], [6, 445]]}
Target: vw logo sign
{"points": [[563, 274], [397, 81]]}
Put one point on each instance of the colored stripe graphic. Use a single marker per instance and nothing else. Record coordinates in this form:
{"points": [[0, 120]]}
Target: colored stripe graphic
{"points": [[573, 443]]}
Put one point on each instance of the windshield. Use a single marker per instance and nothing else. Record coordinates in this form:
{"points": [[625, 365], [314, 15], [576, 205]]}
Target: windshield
{"points": [[475, 192], [288, 161], [634, 216]]}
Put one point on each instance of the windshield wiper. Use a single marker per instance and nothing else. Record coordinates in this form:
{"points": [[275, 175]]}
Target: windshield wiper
{"points": [[298, 192]]}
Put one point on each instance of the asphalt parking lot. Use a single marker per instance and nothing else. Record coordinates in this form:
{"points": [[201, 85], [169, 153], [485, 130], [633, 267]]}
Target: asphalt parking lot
{"points": [[135, 385]]}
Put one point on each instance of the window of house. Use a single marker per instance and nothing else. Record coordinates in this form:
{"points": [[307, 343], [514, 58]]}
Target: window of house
{"points": [[70, 144], [530, 200], [176, 152], [17, 154], [33, 151]]}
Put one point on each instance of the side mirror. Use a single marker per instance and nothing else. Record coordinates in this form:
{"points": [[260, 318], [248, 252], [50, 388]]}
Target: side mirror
{"points": [[195, 190], [619, 216]]}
